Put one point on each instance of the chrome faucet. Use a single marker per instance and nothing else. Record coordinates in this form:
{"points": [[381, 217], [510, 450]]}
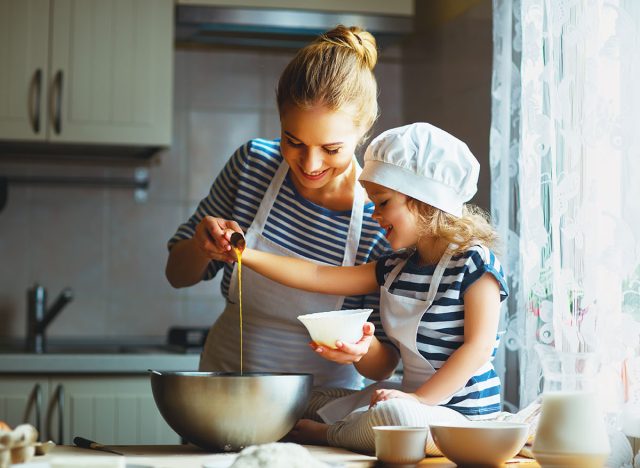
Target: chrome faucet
{"points": [[39, 318]]}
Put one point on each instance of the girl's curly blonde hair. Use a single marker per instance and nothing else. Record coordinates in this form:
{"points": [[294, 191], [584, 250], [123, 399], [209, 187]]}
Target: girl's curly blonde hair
{"points": [[472, 228]]}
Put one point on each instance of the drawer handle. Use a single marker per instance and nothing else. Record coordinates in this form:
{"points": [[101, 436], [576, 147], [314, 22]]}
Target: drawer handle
{"points": [[35, 94], [57, 107], [35, 400], [58, 400]]}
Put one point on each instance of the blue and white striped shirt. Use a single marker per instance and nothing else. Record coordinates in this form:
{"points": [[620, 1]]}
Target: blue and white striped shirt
{"points": [[441, 329], [294, 222]]}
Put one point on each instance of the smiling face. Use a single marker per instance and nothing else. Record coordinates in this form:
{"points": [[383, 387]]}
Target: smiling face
{"points": [[393, 214], [318, 144]]}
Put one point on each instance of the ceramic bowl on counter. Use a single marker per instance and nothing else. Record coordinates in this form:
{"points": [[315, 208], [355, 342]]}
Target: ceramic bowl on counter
{"points": [[480, 443], [400, 445], [325, 328], [224, 411]]}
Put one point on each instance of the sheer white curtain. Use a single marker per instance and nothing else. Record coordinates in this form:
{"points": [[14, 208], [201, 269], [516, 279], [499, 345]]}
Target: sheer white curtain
{"points": [[565, 168]]}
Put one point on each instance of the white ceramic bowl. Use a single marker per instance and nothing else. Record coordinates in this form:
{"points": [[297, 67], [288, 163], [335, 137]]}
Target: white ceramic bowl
{"points": [[489, 443], [326, 328], [400, 444]]}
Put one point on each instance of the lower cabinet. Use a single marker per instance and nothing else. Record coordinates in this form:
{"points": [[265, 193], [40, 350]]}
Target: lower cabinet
{"points": [[109, 409]]}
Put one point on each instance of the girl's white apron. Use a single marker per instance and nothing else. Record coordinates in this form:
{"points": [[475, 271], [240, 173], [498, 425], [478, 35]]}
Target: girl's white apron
{"points": [[400, 318]]}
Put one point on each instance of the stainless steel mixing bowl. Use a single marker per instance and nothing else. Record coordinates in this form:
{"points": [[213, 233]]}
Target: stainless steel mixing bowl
{"points": [[224, 411]]}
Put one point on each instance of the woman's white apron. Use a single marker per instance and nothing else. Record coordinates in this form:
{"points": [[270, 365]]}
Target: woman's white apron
{"points": [[274, 339], [400, 318]]}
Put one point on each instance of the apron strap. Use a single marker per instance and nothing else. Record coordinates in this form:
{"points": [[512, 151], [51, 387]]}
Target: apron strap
{"points": [[355, 225], [435, 279], [438, 273], [395, 272], [269, 198]]}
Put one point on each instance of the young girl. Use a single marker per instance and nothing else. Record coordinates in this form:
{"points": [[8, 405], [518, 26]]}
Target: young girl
{"points": [[440, 294]]}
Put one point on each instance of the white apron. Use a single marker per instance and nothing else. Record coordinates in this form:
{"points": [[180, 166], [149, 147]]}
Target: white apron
{"points": [[274, 339], [400, 318]]}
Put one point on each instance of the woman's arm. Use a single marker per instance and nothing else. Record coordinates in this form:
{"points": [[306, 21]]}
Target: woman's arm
{"points": [[308, 276], [201, 239], [481, 318]]}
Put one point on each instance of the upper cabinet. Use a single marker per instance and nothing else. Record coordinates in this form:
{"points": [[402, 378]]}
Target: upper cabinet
{"points": [[86, 71], [379, 7]]}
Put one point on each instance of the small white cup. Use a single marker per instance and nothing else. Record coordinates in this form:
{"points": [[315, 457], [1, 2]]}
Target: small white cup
{"points": [[400, 444]]}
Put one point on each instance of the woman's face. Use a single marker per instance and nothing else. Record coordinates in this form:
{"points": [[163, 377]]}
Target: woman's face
{"points": [[393, 214], [318, 143]]}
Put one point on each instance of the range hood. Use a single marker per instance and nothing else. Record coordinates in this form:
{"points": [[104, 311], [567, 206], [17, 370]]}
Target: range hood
{"points": [[277, 27]]}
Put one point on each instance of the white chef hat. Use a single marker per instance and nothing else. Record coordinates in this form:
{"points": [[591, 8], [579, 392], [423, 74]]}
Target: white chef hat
{"points": [[425, 163]]}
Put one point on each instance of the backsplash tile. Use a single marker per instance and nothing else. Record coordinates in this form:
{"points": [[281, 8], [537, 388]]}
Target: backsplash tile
{"points": [[224, 79], [14, 266], [213, 137]]}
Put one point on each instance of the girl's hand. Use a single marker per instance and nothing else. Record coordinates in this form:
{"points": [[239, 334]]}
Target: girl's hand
{"points": [[387, 394], [347, 353], [212, 238]]}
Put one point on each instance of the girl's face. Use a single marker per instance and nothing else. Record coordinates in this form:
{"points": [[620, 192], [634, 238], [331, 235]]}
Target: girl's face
{"points": [[318, 144], [393, 214]]}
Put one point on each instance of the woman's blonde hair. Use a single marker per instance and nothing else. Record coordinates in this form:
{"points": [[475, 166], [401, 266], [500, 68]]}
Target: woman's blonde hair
{"points": [[334, 70], [472, 228]]}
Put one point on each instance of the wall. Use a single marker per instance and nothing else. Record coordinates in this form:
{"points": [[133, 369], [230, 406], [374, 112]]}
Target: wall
{"points": [[110, 249], [447, 75]]}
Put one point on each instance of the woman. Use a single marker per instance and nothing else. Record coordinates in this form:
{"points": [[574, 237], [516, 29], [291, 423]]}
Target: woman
{"points": [[297, 196]]}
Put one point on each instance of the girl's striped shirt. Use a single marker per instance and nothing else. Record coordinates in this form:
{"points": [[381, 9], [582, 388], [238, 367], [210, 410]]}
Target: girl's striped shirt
{"points": [[294, 222], [441, 329]]}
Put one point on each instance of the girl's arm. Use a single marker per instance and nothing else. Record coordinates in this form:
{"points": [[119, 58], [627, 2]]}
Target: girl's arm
{"points": [[481, 318], [379, 362], [308, 276]]}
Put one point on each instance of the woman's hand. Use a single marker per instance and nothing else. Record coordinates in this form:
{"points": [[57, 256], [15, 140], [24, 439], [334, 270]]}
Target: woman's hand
{"points": [[347, 353], [388, 394], [212, 238]]}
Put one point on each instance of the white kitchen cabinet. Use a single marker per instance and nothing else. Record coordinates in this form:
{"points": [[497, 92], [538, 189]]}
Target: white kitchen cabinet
{"points": [[86, 71], [110, 409]]}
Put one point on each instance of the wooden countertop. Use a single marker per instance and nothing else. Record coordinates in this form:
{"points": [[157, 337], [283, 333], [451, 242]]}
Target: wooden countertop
{"points": [[189, 456]]}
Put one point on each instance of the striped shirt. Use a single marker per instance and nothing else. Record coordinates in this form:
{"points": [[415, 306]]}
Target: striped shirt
{"points": [[441, 329], [294, 222]]}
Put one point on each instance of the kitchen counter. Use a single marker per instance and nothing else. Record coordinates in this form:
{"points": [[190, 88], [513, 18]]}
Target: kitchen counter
{"points": [[120, 363], [189, 456], [135, 355]]}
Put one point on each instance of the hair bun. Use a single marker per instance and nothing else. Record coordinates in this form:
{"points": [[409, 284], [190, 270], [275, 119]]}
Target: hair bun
{"points": [[357, 39]]}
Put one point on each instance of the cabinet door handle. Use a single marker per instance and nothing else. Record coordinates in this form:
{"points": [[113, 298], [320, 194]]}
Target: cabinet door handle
{"points": [[56, 96], [58, 400], [35, 400], [35, 94]]}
